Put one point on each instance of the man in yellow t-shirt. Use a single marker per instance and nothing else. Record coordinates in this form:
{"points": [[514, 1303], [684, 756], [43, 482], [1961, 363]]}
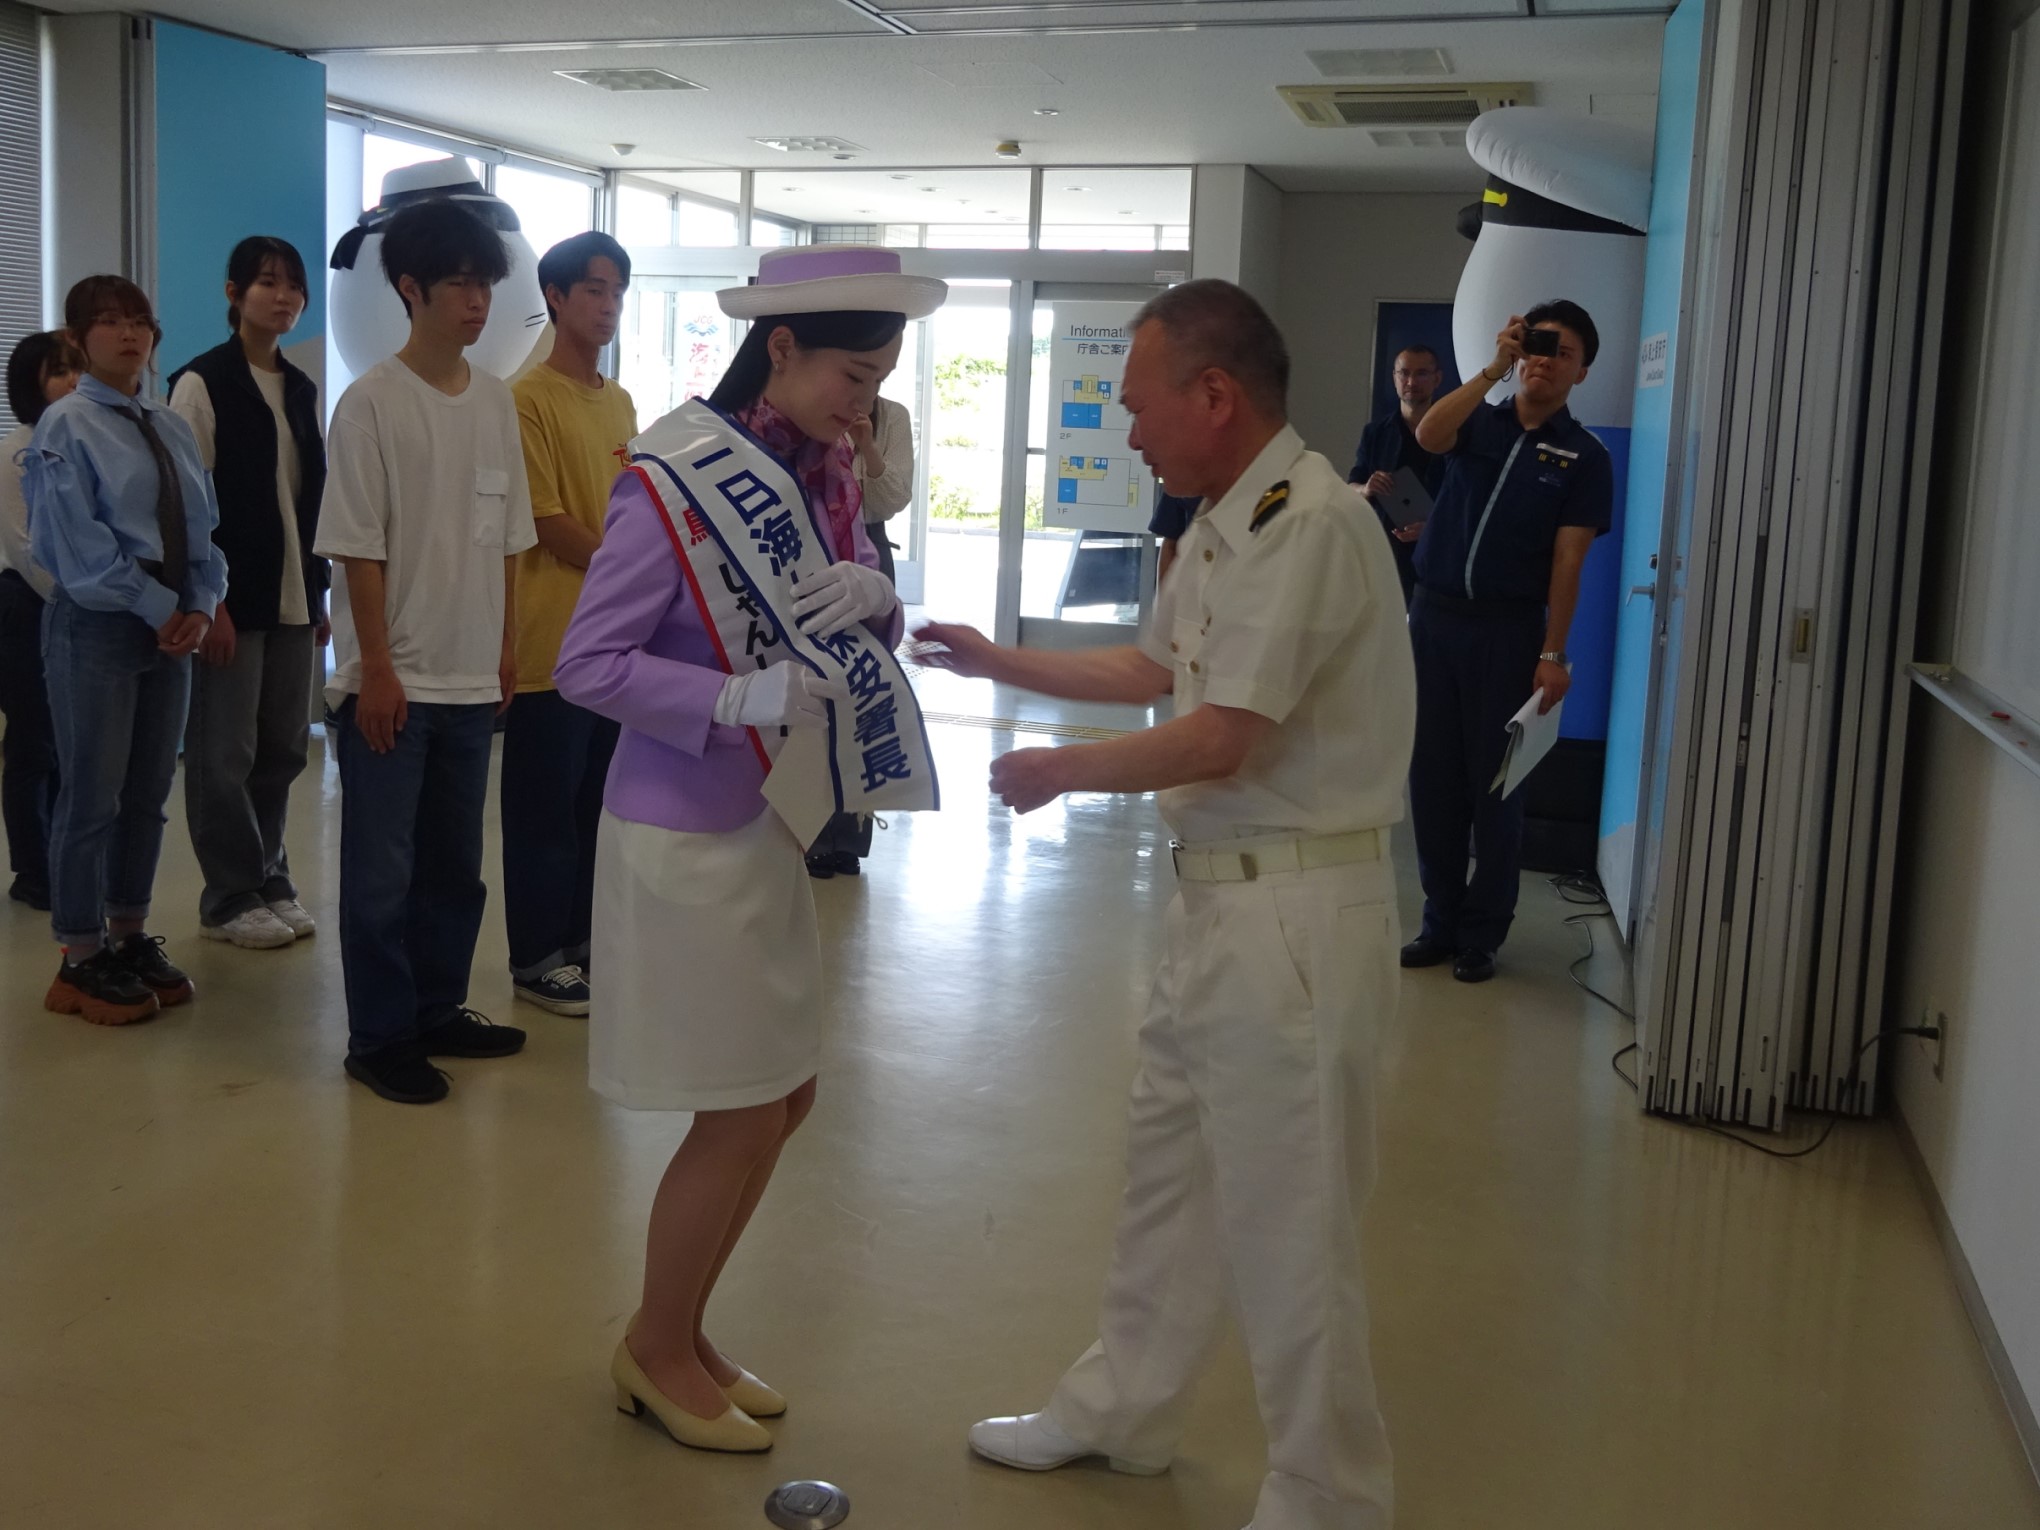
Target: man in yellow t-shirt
{"points": [[577, 428]]}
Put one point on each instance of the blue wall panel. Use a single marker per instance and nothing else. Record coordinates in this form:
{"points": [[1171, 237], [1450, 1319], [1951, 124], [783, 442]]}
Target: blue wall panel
{"points": [[1650, 439], [240, 150]]}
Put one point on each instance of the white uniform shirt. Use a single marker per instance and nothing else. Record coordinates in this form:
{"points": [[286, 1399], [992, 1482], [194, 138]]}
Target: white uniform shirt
{"points": [[431, 486], [1301, 621]]}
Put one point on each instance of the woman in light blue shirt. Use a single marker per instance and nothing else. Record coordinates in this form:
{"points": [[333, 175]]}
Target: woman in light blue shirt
{"points": [[121, 516]]}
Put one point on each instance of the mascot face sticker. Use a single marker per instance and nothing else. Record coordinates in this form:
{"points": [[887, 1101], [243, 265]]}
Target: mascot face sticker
{"points": [[368, 320]]}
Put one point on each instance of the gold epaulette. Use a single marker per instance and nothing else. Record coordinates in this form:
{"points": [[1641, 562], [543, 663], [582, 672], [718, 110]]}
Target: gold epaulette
{"points": [[1271, 502]]}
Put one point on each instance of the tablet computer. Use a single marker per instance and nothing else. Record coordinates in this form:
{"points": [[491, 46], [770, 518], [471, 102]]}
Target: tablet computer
{"points": [[1407, 500]]}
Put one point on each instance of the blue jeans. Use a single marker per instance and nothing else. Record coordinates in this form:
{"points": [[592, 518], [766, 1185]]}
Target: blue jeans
{"points": [[555, 765], [411, 892], [117, 709]]}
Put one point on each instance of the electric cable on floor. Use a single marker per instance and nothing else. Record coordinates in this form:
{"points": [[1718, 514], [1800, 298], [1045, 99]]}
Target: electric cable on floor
{"points": [[1583, 887]]}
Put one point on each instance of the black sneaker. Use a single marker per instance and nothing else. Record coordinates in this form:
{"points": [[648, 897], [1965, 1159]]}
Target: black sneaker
{"points": [[1425, 952], [1474, 966], [35, 894], [102, 989], [821, 866], [400, 1073], [468, 1034], [848, 865], [143, 956]]}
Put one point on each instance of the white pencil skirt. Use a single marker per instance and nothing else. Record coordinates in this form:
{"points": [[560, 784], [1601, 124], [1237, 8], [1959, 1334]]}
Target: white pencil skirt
{"points": [[707, 968]]}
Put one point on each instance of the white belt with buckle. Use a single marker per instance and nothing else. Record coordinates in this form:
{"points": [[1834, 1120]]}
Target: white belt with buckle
{"points": [[1304, 853]]}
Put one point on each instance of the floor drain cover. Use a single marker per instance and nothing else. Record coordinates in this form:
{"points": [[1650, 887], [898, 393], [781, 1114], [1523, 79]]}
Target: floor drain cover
{"points": [[808, 1506]]}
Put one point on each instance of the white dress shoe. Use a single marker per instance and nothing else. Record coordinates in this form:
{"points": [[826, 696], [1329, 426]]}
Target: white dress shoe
{"points": [[1033, 1443]]}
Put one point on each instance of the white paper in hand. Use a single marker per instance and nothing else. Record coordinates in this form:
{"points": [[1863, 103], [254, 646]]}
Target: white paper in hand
{"points": [[798, 786], [1531, 735]]}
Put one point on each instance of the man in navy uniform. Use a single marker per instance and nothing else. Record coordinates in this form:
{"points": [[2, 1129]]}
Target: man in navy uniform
{"points": [[1390, 442], [1527, 489]]}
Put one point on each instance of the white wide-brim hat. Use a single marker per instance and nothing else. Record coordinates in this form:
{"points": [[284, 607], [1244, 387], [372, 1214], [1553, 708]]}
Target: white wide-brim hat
{"points": [[831, 278]]}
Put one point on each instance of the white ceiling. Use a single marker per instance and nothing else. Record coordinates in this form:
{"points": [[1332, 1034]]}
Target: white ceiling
{"points": [[1194, 84]]}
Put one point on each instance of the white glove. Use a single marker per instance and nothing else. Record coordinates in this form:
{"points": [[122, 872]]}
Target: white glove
{"points": [[787, 695], [840, 596]]}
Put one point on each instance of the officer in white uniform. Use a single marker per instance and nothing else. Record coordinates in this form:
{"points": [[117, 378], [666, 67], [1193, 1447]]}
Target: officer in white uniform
{"points": [[1281, 632]]}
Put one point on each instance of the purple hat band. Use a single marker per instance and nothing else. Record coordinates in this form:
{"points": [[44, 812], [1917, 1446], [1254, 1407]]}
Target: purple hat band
{"points": [[815, 263]]}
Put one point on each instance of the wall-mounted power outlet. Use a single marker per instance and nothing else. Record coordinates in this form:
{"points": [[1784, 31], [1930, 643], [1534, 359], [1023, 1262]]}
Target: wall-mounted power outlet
{"points": [[1937, 1047]]}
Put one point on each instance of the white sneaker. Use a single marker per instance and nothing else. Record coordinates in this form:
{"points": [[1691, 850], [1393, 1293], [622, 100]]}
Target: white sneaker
{"points": [[1033, 1443], [294, 914], [255, 930]]}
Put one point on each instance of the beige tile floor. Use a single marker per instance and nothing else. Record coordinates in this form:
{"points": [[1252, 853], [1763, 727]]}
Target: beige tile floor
{"points": [[236, 1290]]}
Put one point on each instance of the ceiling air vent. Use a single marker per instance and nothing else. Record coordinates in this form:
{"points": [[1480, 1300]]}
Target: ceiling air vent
{"points": [[811, 145], [1418, 138], [1398, 106], [627, 79]]}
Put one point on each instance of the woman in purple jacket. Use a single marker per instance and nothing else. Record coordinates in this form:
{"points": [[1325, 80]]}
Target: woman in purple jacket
{"points": [[704, 928]]}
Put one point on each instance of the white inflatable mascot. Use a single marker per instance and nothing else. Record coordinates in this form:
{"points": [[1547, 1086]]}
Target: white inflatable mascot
{"points": [[368, 320], [1563, 216]]}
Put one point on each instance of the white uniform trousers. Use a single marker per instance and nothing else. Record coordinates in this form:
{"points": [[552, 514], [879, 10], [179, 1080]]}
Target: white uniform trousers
{"points": [[1251, 1153]]}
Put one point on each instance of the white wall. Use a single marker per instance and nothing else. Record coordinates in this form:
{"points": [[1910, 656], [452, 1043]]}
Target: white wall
{"points": [[1964, 934], [1339, 256], [1966, 929], [87, 227], [1261, 239]]}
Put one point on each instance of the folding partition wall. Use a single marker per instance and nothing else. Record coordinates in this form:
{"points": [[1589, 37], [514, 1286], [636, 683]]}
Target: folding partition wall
{"points": [[1787, 576]]}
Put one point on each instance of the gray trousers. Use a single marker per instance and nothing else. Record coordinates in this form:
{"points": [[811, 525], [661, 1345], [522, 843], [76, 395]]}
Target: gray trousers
{"points": [[245, 743]]}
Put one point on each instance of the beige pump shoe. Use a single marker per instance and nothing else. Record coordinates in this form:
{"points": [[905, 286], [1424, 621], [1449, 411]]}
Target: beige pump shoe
{"points": [[736, 1431], [754, 1397]]}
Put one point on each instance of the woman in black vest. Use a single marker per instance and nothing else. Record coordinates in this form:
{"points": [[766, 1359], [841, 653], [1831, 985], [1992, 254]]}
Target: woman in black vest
{"points": [[257, 421]]}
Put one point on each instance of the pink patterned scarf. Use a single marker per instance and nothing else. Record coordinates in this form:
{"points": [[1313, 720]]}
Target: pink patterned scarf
{"points": [[827, 470]]}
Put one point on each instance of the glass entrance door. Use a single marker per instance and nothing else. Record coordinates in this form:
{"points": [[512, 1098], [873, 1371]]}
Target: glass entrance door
{"points": [[952, 379], [1087, 566]]}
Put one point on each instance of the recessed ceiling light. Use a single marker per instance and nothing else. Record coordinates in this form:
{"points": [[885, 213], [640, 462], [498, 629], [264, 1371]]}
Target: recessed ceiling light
{"points": [[1046, 111], [1126, 212], [931, 188], [627, 79], [901, 175], [807, 144], [1076, 188]]}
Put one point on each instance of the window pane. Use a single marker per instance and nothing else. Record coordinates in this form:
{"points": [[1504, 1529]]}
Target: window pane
{"points": [[550, 207], [675, 342], [703, 224], [772, 234], [643, 217], [381, 154], [938, 209], [1143, 209], [706, 209]]}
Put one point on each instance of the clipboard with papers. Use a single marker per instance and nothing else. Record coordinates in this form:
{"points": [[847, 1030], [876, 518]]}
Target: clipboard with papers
{"points": [[1531, 735]]}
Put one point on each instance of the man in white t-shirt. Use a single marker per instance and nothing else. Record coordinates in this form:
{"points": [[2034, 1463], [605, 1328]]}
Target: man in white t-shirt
{"points": [[426, 508]]}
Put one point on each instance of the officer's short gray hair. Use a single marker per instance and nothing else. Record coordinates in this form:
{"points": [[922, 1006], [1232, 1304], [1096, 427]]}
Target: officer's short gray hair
{"points": [[1213, 325]]}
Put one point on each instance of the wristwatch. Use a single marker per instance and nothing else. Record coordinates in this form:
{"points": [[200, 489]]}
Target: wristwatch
{"points": [[1553, 658]]}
